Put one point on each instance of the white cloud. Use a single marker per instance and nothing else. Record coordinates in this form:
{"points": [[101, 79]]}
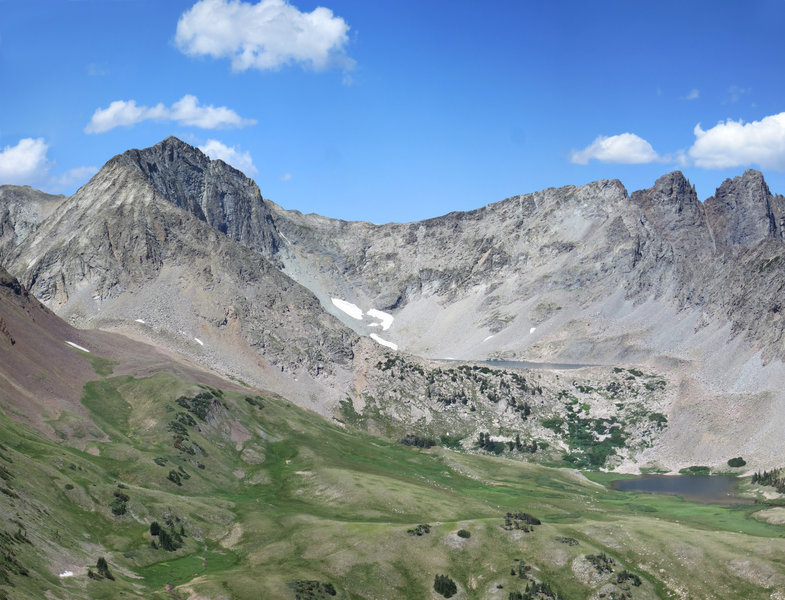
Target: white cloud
{"points": [[24, 163], [266, 35], [625, 148], [694, 94], [78, 175], [286, 177], [735, 144], [229, 154], [186, 111]]}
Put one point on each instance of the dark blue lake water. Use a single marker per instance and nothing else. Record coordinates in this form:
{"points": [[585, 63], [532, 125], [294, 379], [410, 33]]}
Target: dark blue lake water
{"points": [[710, 489]]}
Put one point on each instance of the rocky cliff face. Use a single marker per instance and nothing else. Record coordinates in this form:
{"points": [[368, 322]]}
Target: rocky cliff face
{"points": [[211, 190], [167, 245], [743, 212], [21, 210]]}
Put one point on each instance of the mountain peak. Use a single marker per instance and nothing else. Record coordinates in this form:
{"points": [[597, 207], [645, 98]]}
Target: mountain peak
{"points": [[211, 190], [743, 211]]}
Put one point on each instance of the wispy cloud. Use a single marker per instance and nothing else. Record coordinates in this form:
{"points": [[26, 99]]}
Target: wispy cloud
{"points": [[263, 36], [25, 163], [78, 175], [736, 92], [735, 143], [693, 95], [626, 148], [230, 155], [186, 111], [96, 70]]}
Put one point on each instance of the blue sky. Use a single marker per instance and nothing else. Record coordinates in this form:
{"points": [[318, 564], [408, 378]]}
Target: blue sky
{"points": [[397, 111]]}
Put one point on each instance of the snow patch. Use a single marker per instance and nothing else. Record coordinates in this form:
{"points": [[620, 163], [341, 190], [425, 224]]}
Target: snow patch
{"points": [[198, 341], [139, 321], [383, 342], [386, 318], [532, 330], [78, 347], [65, 574], [486, 339], [354, 311]]}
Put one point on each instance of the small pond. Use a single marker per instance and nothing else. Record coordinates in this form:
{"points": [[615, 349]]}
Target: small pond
{"points": [[709, 489]]}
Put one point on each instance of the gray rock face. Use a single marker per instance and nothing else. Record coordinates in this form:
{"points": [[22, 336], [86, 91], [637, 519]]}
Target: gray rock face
{"points": [[21, 210], [210, 190], [743, 211], [170, 246], [121, 255]]}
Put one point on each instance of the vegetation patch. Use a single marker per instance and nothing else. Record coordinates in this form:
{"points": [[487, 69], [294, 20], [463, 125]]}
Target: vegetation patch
{"points": [[445, 586], [695, 470], [419, 530], [566, 540], [311, 590], [520, 521], [601, 562], [774, 478]]}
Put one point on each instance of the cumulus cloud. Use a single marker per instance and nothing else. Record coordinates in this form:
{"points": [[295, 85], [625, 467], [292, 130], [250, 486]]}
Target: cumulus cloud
{"points": [[735, 143], [24, 163], [186, 111], [231, 155], [694, 94], [265, 35], [625, 148]]}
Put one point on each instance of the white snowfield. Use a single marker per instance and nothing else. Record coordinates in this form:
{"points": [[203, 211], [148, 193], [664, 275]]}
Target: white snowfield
{"points": [[383, 342], [386, 318], [66, 574], [139, 321], [198, 341], [354, 311], [78, 347]]}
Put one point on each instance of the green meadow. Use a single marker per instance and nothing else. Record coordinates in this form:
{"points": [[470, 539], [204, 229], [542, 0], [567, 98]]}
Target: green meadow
{"points": [[261, 497]]}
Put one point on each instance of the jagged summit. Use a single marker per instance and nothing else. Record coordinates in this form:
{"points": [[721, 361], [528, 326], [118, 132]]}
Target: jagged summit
{"points": [[743, 211], [211, 190]]}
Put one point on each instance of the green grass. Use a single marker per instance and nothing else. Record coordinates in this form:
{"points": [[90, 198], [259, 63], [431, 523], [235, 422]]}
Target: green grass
{"points": [[315, 501]]}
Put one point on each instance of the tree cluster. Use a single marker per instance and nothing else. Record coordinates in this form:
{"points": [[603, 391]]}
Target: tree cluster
{"points": [[103, 570], [445, 586], [773, 478]]}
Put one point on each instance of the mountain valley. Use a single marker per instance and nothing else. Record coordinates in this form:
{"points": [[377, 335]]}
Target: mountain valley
{"points": [[309, 408]]}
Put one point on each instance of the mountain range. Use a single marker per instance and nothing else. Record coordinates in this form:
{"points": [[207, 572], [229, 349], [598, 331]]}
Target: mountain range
{"points": [[168, 246], [162, 330]]}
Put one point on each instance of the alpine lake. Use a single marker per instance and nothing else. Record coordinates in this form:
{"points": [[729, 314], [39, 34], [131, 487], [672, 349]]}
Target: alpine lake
{"points": [[706, 489]]}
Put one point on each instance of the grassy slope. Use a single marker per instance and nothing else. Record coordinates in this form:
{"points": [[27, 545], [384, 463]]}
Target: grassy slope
{"points": [[294, 497]]}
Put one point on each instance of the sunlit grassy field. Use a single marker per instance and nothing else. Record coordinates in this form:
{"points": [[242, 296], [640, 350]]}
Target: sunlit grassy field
{"points": [[282, 496]]}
